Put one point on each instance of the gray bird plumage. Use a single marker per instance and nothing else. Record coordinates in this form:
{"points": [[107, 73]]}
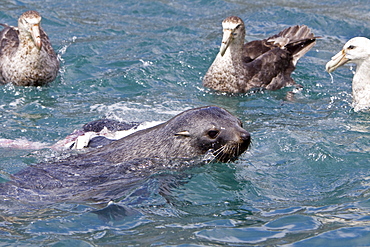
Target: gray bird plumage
{"points": [[26, 55]]}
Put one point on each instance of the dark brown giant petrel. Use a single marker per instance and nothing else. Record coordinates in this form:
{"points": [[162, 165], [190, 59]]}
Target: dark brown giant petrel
{"points": [[266, 63]]}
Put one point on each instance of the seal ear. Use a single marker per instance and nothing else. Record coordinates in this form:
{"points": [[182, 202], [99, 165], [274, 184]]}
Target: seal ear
{"points": [[184, 133]]}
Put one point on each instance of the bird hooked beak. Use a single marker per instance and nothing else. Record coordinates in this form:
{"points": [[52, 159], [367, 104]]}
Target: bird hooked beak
{"points": [[35, 33], [338, 60], [226, 40]]}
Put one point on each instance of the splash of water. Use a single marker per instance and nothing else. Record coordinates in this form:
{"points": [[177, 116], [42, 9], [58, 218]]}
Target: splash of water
{"points": [[332, 78]]}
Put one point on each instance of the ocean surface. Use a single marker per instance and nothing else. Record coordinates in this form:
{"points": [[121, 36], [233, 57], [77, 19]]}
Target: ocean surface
{"points": [[305, 181]]}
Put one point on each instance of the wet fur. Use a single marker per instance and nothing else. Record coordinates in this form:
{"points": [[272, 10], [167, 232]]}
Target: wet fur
{"points": [[109, 172]]}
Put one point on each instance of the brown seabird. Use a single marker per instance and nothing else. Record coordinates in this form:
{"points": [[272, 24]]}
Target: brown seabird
{"points": [[26, 55], [357, 51], [265, 63]]}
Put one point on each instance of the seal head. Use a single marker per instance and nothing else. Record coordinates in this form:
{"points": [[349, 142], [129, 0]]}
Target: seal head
{"points": [[190, 134]]}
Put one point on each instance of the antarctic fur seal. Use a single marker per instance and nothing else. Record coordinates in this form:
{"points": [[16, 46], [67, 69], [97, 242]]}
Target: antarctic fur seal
{"points": [[187, 135], [107, 173]]}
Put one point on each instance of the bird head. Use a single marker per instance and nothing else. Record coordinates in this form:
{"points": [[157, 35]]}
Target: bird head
{"points": [[233, 32], [29, 22], [356, 50]]}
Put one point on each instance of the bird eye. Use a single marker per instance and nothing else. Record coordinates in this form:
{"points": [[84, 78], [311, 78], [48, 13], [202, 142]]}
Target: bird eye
{"points": [[351, 47], [234, 34], [213, 133]]}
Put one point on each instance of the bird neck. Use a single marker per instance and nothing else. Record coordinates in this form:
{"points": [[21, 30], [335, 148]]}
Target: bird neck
{"points": [[233, 54], [26, 42], [361, 86]]}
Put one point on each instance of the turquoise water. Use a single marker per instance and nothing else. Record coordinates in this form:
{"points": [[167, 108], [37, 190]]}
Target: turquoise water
{"points": [[305, 180]]}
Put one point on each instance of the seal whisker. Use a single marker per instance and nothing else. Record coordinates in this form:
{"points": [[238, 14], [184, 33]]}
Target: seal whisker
{"points": [[219, 151], [236, 149], [222, 153]]}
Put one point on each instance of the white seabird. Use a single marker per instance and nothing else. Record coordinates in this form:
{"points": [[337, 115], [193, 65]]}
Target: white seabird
{"points": [[357, 51]]}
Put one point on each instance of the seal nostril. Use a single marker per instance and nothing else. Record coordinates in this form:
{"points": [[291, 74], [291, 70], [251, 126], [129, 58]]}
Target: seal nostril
{"points": [[245, 136]]}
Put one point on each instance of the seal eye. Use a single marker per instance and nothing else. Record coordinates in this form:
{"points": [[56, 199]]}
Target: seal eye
{"points": [[213, 133]]}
